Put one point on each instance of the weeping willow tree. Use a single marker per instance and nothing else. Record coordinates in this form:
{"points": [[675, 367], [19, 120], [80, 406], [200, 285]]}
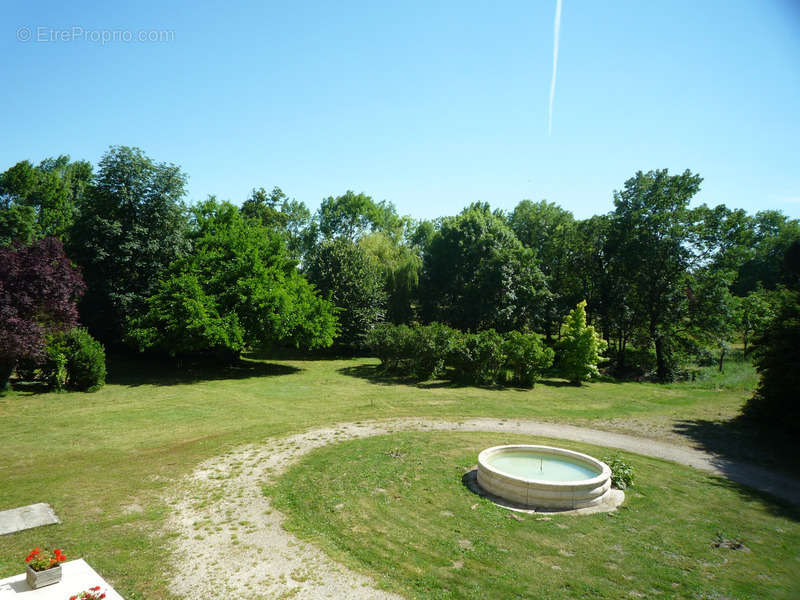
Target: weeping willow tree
{"points": [[400, 267]]}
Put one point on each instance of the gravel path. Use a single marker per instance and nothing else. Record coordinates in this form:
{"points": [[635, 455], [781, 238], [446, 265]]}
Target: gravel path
{"points": [[236, 546]]}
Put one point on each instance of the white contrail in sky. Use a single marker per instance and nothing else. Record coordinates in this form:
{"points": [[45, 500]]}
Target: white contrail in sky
{"points": [[556, 31]]}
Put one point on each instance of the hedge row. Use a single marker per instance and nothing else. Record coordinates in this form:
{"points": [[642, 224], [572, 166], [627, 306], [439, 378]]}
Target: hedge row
{"points": [[438, 351]]}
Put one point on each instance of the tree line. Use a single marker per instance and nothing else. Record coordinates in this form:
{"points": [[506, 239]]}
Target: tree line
{"points": [[665, 283]]}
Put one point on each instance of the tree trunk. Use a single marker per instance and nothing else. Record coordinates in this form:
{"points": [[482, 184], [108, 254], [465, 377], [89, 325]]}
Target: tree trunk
{"points": [[6, 369], [661, 365], [721, 357]]}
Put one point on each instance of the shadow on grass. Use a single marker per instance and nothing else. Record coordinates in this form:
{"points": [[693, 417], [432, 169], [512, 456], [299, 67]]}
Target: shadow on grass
{"points": [[29, 388], [558, 383], [750, 456], [136, 372], [376, 375], [768, 500]]}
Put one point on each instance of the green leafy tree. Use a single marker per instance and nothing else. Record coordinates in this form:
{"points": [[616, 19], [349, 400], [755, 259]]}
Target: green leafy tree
{"points": [[266, 207], [130, 230], [292, 219], [182, 318], [728, 236], [353, 215], [654, 241], [43, 200], [477, 275], [591, 268], [777, 356], [713, 310], [550, 231], [754, 312], [772, 233], [17, 224], [791, 265], [350, 279], [237, 290], [301, 231], [580, 347], [419, 234]]}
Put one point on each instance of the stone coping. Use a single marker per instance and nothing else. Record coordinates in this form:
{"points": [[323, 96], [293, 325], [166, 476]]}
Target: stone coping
{"points": [[603, 471], [540, 493]]}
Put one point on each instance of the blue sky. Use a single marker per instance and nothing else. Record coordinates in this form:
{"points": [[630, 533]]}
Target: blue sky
{"points": [[430, 105]]}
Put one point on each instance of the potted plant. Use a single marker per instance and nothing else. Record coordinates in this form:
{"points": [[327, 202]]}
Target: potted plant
{"points": [[93, 593], [43, 568]]}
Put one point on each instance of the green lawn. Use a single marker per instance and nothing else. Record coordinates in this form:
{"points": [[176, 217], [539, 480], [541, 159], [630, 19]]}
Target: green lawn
{"points": [[105, 460], [395, 506]]}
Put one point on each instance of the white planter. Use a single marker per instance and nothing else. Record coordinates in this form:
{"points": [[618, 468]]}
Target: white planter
{"points": [[37, 579]]}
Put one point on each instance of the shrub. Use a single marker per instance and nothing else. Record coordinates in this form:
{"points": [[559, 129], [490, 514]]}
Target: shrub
{"points": [[460, 359], [54, 368], [404, 342], [86, 361], [621, 472], [431, 348], [478, 357], [526, 356], [74, 360], [394, 345], [426, 351], [380, 340], [421, 351]]}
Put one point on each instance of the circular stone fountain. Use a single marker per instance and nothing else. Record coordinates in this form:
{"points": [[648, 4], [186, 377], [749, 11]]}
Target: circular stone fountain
{"points": [[544, 477]]}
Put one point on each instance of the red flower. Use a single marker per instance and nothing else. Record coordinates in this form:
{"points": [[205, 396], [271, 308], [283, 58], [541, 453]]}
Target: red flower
{"points": [[33, 553], [95, 588], [103, 595]]}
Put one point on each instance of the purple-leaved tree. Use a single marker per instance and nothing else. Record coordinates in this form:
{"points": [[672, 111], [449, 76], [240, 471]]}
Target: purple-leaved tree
{"points": [[39, 289]]}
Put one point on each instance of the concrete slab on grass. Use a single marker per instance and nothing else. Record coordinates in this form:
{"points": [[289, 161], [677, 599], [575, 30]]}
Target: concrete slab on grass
{"points": [[26, 517], [76, 576]]}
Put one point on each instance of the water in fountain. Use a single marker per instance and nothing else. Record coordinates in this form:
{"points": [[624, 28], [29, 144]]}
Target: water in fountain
{"points": [[541, 466]]}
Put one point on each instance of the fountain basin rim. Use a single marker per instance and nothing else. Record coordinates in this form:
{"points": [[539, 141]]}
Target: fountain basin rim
{"points": [[599, 479]]}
